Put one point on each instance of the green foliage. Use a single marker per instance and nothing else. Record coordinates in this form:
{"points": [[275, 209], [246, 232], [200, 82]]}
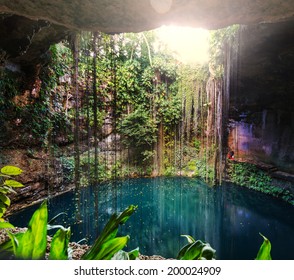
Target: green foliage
{"points": [[6, 187], [61, 61], [31, 245], [138, 129], [202, 169], [264, 252], [44, 114], [197, 145], [10, 86], [196, 250], [128, 83], [170, 110], [219, 39], [165, 64], [199, 250], [248, 175], [107, 244], [169, 171], [59, 245], [87, 165], [68, 166]]}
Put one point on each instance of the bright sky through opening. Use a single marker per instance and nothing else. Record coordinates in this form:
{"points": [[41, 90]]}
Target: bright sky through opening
{"points": [[190, 45]]}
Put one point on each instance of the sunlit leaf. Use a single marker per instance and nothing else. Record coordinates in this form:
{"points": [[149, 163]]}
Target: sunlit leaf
{"points": [[264, 252], [11, 170], [59, 245], [5, 199], [13, 184], [32, 245], [109, 232], [196, 250], [6, 225], [109, 248]]}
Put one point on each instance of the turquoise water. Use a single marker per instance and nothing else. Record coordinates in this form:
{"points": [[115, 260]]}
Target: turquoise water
{"points": [[228, 217]]}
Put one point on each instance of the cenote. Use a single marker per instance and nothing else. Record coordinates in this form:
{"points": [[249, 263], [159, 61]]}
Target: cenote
{"points": [[228, 217]]}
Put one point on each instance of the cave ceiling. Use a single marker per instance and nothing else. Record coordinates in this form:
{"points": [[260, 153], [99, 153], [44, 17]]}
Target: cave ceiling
{"points": [[28, 27]]}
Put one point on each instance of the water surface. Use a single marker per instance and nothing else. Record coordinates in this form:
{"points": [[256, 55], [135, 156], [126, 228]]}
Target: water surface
{"points": [[228, 217]]}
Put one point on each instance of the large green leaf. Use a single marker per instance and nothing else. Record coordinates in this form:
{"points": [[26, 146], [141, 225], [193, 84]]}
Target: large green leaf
{"points": [[5, 225], [59, 245], [264, 252], [5, 199], [109, 232], [183, 251], [7, 248], [109, 248], [32, 244], [194, 251], [11, 170], [13, 184]]}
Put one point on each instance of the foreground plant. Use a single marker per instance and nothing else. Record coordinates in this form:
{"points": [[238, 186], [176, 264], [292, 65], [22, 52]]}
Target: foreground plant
{"points": [[6, 186], [264, 252], [199, 250], [31, 245], [196, 250], [107, 244]]}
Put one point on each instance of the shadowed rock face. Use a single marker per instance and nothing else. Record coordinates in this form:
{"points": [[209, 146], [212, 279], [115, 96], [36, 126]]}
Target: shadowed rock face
{"points": [[134, 15], [24, 41], [262, 99]]}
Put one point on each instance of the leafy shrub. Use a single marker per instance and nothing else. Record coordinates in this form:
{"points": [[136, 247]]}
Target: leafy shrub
{"points": [[199, 250], [138, 129], [196, 250], [31, 245], [248, 175], [6, 187]]}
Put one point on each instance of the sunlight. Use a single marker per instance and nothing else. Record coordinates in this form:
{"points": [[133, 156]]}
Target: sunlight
{"points": [[190, 45]]}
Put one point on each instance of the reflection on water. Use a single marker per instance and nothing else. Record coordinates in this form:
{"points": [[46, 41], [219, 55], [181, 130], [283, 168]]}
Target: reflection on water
{"points": [[228, 217]]}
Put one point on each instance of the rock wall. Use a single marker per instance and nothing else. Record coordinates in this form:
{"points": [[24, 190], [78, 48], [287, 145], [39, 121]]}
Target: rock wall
{"points": [[41, 176], [262, 99]]}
